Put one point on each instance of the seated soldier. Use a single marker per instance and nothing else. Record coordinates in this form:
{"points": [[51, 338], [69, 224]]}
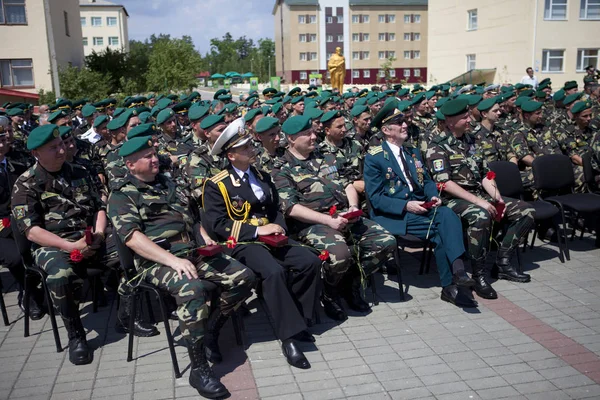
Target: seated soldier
{"points": [[150, 215], [312, 191], [474, 197], [172, 143], [492, 141], [398, 186], [241, 204], [53, 203], [267, 135]]}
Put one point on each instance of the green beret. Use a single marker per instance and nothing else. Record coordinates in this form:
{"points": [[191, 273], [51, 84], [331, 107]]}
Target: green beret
{"points": [[271, 102], [418, 99], [197, 113], [348, 95], [519, 102], [229, 108], [527, 93], [372, 100], [295, 92], [543, 86], [441, 101], [211, 121], [144, 117], [142, 109], [403, 92], [266, 123], [296, 124], [357, 110], [313, 113], [455, 107], [155, 110], [224, 97], [182, 107], [56, 115], [269, 91], [250, 115], [13, 112], [120, 121], [251, 102], [581, 106], [474, 99], [265, 110], [62, 104], [429, 94], [100, 119], [330, 115], [42, 135], [403, 105], [276, 108], [142, 130], [362, 101], [287, 99], [388, 113], [79, 104], [136, 144], [531, 106], [173, 97], [570, 85], [546, 80], [151, 96], [118, 111], [440, 116], [64, 131], [219, 93], [297, 99], [163, 103], [487, 104], [164, 115], [88, 110], [559, 95], [540, 95], [572, 98], [506, 96]]}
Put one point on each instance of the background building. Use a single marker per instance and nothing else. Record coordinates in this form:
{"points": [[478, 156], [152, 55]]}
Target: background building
{"points": [[38, 36], [103, 24], [558, 38], [368, 31]]}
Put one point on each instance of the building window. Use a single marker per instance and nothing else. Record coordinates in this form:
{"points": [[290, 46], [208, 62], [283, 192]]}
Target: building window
{"points": [[329, 38], [391, 54], [16, 73], [355, 37], [356, 55], [301, 19], [355, 74], [113, 41], [340, 38], [392, 73], [111, 21], [366, 55], [407, 37], [66, 18], [366, 73], [382, 19], [302, 56], [553, 60], [407, 55], [382, 73], [340, 19], [382, 55], [391, 18], [330, 20], [406, 73], [85, 41], [416, 36], [12, 12], [417, 18], [382, 37], [555, 10], [417, 54], [586, 57], [471, 61], [303, 75], [312, 37], [302, 38], [312, 19], [98, 41], [407, 18], [355, 19], [312, 56], [96, 21], [329, 56], [365, 19], [416, 73], [83, 21], [472, 20], [392, 37], [365, 37], [590, 9]]}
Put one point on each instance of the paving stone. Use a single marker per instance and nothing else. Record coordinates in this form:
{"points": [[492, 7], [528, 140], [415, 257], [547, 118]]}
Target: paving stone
{"points": [[535, 387]]}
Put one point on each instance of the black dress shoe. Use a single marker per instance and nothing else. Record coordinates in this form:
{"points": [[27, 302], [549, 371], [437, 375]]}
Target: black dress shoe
{"points": [[462, 279], [458, 296], [333, 309], [36, 312], [304, 336], [79, 352], [483, 288], [294, 356]]}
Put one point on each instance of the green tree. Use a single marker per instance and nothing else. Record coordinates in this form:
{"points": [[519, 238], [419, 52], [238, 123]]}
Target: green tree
{"points": [[387, 66], [172, 65], [112, 63], [48, 97], [76, 83]]}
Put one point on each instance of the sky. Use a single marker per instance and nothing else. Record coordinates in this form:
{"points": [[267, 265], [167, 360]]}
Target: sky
{"points": [[200, 19]]}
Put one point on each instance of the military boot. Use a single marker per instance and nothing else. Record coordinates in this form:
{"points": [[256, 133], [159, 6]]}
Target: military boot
{"points": [[482, 286], [353, 295], [79, 352], [331, 303], [140, 328], [504, 270], [202, 377], [211, 339]]}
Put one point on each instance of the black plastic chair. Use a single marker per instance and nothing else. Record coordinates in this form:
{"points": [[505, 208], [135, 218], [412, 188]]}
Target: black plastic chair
{"points": [[588, 173], [3, 306], [508, 179], [554, 179]]}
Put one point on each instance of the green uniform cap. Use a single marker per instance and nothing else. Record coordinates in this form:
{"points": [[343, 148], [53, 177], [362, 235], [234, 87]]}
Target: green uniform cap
{"points": [[13, 112], [403, 92], [429, 94], [119, 122], [506, 96], [581, 106], [57, 115], [211, 121], [145, 117], [266, 123], [136, 144], [220, 92], [197, 113], [404, 105], [88, 110], [100, 119], [473, 99], [296, 124], [142, 130], [487, 104], [572, 98], [118, 111], [570, 85], [250, 115], [42, 135], [559, 95], [173, 97], [546, 80], [164, 115], [313, 113], [418, 99], [388, 113], [357, 110], [295, 92], [251, 101], [455, 107], [330, 115], [527, 93], [163, 103], [439, 115], [276, 108], [64, 131], [519, 102], [268, 91], [531, 106], [297, 99], [224, 97], [441, 102], [182, 107], [540, 95]]}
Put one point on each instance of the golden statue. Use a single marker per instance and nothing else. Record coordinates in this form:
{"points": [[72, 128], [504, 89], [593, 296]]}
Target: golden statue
{"points": [[337, 69]]}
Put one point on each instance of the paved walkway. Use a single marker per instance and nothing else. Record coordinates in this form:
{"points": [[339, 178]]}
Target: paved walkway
{"points": [[538, 341]]}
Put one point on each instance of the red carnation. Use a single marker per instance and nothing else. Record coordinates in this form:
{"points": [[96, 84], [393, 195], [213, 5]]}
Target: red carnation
{"points": [[441, 186], [333, 210], [6, 222], [231, 242], [324, 256], [76, 256], [491, 175]]}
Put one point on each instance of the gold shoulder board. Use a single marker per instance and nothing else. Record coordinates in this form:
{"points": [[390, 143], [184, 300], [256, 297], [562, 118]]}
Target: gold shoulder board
{"points": [[375, 150], [220, 176]]}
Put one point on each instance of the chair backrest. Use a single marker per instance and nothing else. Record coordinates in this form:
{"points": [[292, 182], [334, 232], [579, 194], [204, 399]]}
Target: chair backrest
{"points": [[588, 170], [125, 256], [508, 178], [23, 244], [553, 172]]}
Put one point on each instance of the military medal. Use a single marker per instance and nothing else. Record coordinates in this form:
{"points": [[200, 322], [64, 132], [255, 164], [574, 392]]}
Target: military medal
{"points": [[419, 169]]}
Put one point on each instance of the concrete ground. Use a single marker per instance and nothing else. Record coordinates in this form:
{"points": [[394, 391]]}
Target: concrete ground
{"points": [[537, 341]]}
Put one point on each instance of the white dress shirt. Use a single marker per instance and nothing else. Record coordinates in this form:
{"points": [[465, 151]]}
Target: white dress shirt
{"points": [[396, 151], [256, 189], [526, 80]]}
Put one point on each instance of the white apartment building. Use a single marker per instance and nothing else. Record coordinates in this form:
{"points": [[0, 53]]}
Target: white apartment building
{"points": [[103, 24]]}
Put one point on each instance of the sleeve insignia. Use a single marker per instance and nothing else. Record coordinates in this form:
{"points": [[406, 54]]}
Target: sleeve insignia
{"points": [[438, 165], [20, 211]]}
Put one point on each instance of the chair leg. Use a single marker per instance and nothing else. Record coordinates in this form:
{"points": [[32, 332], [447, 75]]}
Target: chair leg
{"points": [[519, 265], [236, 328], [399, 274], [533, 239], [94, 283], [373, 289], [3, 308], [564, 232], [26, 306], [165, 317], [52, 315], [429, 254], [316, 306], [132, 310], [525, 242], [150, 310]]}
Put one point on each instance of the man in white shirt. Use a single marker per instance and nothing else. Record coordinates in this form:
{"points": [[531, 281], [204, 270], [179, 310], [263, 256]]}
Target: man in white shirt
{"points": [[530, 79]]}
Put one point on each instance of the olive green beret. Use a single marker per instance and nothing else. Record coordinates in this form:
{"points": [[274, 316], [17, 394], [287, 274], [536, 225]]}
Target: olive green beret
{"points": [[56, 115], [519, 102], [357, 110], [559, 95], [42, 135], [441, 101], [88, 110], [276, 108], [330, 115], [455, 107], [418, 99], [296, 124], [487, 104], [581, 106], [250, 115], [119, 122], [572, 98], [531, 106], [118, 111], [144, 117], [570, 85], [142, 130], [404, 105], [64, 131], [527, 93], [403, 92], [163, 103], [440, 116], [211, 121], [197, 113], [361, 101], [100, 119], [266, 123], [224, 97], [164, 115], [136, 144], [313, 113], [297, 99], [13, 112]]}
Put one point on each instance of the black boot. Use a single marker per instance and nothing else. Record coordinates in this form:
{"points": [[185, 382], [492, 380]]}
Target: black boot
{"points": [[482, 286], [505, 270], [140, 328], [202, 377], [211, 339], [79, 352], [171, 307], [353, 296], [36, 301], [331, 303]]}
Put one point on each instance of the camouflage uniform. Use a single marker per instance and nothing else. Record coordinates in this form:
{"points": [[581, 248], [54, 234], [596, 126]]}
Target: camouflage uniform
{"points": [[265, 161], [318, 184], [65, 204], [349, 158], [456, 159], [508, 122], [595, 145], [198, 167], [493, 145], [159, 210], [178, 146], [576, 142]]}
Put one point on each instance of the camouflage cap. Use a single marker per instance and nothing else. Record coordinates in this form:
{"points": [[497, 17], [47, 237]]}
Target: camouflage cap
{"points": [[136, 144], [266, 124], [42, 135], [296, 124]]}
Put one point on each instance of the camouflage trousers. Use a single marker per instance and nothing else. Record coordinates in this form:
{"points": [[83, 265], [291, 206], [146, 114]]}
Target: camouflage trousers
{"points": [[579, 179], [234, 280], [518, 219], [364, 240]]}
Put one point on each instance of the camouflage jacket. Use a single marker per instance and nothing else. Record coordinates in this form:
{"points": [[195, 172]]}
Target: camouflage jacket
{"points": [[99, 151], [576, 141], [534, 141], [456, 159], [508, 122], [494, 146], [64, 203], [115, 166], [199, 166], [158, 209], [178, 147], [595, 145], [9, 172], [425, 123], [350, 158], [265, 161]]}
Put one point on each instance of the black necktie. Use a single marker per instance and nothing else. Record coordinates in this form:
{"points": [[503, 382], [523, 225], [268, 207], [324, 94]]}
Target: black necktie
{"points": [[246, 178], [407, 170]]}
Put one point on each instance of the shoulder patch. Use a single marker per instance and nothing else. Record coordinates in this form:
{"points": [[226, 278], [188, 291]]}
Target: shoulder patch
{"points": [[375, 150], [438, 165], [220, 176]]}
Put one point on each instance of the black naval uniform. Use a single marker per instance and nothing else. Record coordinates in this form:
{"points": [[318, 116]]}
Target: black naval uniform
{"points": [[290, 299]]}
